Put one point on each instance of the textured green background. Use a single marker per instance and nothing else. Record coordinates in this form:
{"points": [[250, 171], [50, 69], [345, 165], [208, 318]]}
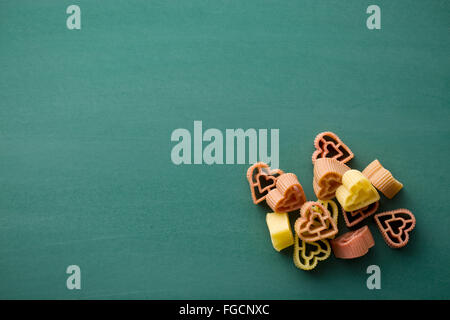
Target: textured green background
{"points": [[85, 124]]}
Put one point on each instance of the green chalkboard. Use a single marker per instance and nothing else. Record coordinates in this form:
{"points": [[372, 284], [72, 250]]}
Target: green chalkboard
{"points": [[86, 118]]}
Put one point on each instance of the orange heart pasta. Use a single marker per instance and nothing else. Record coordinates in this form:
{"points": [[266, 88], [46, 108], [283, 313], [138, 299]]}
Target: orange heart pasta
{"points": [[382, 179], [288, 194], [261, 180], [315, 223], [328, 145], [328, 174], [353, 244], [395, 226]]}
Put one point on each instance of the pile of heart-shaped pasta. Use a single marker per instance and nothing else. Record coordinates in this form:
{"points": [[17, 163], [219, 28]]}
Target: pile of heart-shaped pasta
{"points": [[316, 227]]}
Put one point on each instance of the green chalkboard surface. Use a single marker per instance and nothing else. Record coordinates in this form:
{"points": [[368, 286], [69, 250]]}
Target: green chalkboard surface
{"points": [[86, 120]]}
